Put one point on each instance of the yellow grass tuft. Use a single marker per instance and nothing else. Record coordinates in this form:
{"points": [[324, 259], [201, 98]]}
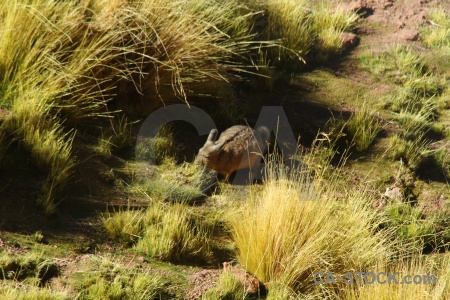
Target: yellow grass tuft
{"points": [[417, 265], [292, 229]]}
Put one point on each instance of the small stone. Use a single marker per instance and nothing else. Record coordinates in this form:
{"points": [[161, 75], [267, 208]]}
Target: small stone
{"points": [[408, 34], [252, 285], [354, 6], [141, 259], [401, 25], [349, 40], [394, 193]]}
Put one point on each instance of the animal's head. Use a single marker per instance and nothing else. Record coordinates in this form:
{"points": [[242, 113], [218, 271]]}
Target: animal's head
{"points": [[209, 149]]}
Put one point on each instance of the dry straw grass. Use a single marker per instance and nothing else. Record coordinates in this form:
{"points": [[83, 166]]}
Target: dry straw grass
{"points": [[294, 227], [62, 64], [307, 29], [415, 265], [66, 65]]}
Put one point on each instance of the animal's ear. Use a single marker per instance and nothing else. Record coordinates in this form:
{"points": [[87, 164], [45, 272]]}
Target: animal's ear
{"points": [[212, 135], [219, 146]]}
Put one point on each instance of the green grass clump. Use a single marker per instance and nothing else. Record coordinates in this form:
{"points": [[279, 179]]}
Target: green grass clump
{"points": [[398, 64], [117, 138], [415, 93], [47, 142], [437, 35], [436, 161], [172, 192], [363, 127], [409, 151], [16, 291], [156, 149], [279, 290], [228, 287], [32, 267], [413, 124], [306, 29], [294, 227], [166, 232], [329, 22], [111, 279], [125, 225], [416, 229], [183, 183], [172, 233]]}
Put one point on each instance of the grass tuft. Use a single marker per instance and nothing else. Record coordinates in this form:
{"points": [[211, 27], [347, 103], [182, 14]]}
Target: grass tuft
{"points": [[17, 291], [437, 35], [306, 29], [125, 225], [172, 233], [228, 287], [33, 268], [409, 151], [292, 228], [363, 127], [111, 279], [165, 232], [416, 229], [415, 265]]}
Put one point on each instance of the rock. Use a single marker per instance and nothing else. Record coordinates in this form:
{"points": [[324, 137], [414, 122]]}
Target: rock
{"points": [[401, 25], [379, 203], [388, 4], [408, 34], [354, 6], [201, 282], [394, 193], [349, 40], [4, 114], [432, 203], [251, 283], [141, 259]]}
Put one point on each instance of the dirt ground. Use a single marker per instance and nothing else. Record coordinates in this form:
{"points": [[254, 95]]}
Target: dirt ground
{"points": [[390, 21]]}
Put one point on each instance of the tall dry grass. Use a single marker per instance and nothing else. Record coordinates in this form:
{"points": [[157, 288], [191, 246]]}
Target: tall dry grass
{"points": [[63, 63], [417, 265], [295, 227], [308, 30], [50, 64]]}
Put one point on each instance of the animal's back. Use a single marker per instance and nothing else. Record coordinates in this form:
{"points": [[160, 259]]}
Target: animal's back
{"points": [[237, 138], [242, 148]]}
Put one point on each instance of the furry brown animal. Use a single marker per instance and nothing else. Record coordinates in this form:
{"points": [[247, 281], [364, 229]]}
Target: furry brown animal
{"points": [[238, 147]]}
